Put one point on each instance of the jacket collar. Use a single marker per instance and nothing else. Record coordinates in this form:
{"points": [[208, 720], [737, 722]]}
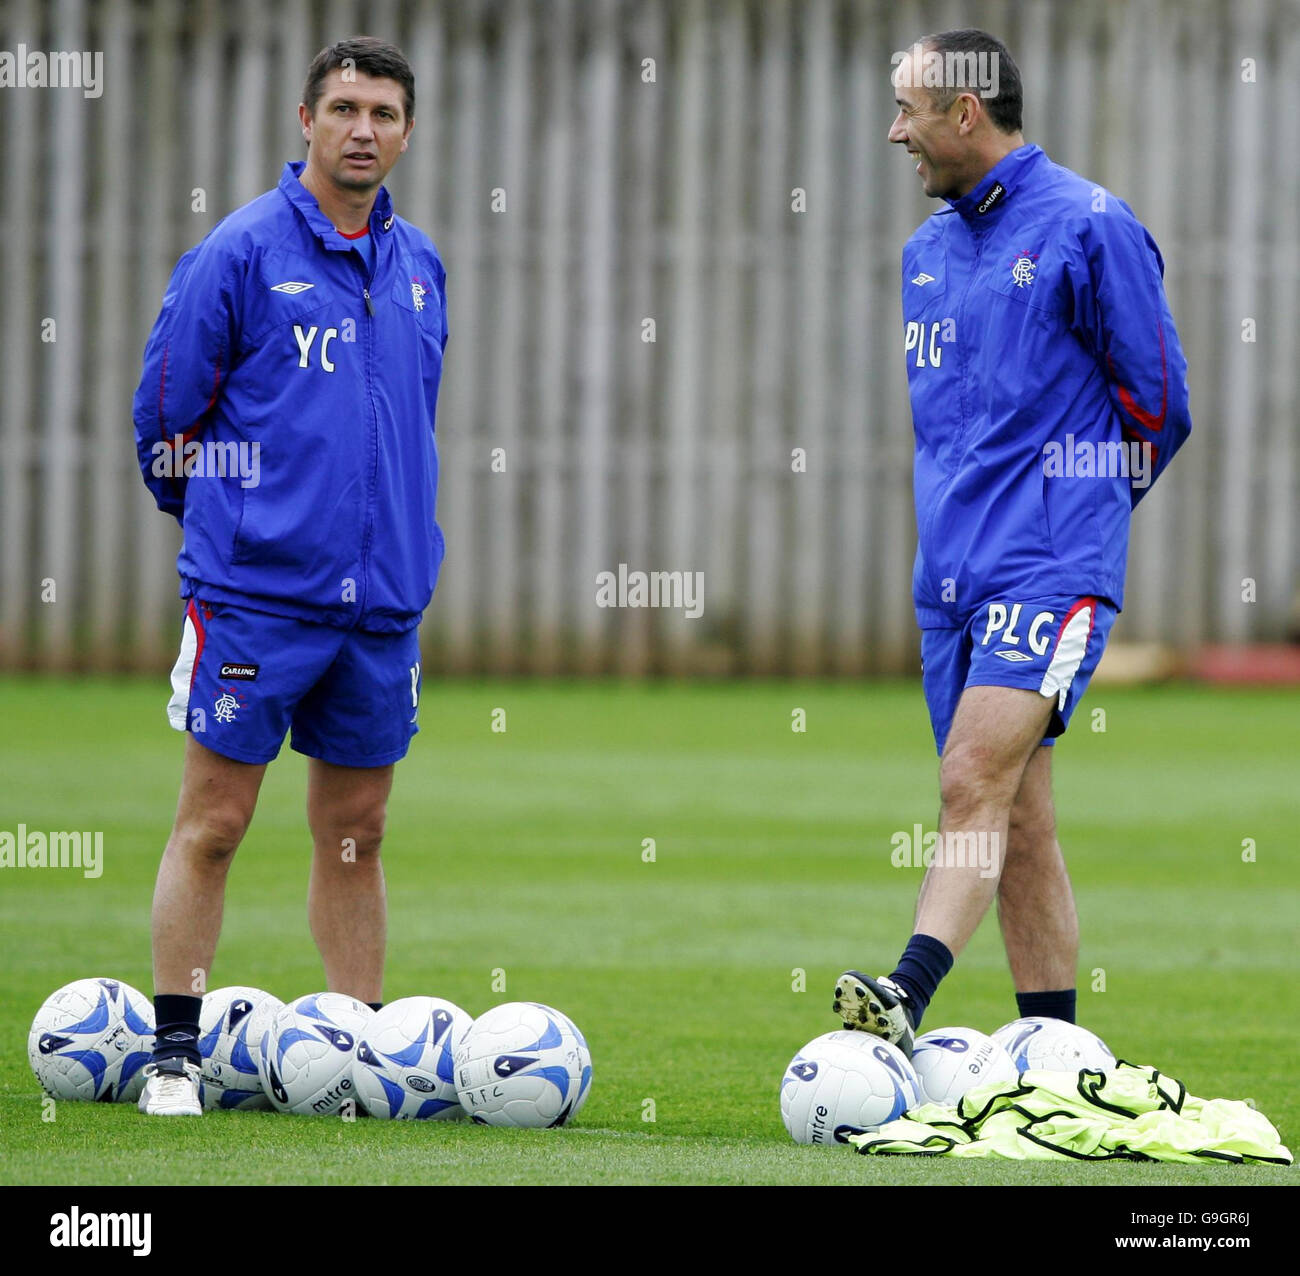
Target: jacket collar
{"points": [[985, 202], [381, 216]]}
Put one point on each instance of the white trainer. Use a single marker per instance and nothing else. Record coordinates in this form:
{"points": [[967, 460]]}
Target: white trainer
{"points": [[171, 1088]]}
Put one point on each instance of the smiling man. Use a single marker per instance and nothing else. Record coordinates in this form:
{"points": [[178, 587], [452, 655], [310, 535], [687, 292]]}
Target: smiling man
{"points": [[307, 332], [1035, 328]]}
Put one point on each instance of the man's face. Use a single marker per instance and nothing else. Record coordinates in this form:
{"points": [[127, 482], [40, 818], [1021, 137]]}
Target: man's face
{"points": [[358, 130], [930, 135]]}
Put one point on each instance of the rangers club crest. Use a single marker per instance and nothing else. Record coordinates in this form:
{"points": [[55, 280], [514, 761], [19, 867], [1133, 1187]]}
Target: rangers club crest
{"points": [[420, 288], [1024, 268], [229, 701]]}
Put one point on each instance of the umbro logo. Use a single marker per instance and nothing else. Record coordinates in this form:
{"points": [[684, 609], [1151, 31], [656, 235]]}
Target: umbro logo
{"points": [[922, 279], [1016, 656], [292, 287]]}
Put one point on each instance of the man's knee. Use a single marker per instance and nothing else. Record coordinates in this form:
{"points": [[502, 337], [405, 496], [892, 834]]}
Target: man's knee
{"points": [[971, 775], [210, 835], [1032, 828], [354, 834]]}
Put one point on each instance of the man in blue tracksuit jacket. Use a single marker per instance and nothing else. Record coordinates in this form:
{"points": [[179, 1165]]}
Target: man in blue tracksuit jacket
{"points": [[286, 417], [1048, 392]]}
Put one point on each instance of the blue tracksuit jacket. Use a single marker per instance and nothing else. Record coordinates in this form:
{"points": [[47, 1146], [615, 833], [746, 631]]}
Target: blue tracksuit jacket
{"points": [[274, 331], [1039, 345]]}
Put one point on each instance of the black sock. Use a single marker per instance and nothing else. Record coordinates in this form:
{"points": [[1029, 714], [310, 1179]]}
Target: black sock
{"points": [[1048, 1005], [177, 1034], [375, 1005], [923, 964]]}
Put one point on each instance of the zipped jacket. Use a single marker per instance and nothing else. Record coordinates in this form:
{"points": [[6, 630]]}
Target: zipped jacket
{"points": [[1047, 383], [286, 412]]}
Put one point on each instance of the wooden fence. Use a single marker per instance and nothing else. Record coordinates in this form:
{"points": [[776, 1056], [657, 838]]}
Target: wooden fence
{"points": [[596, 173]]}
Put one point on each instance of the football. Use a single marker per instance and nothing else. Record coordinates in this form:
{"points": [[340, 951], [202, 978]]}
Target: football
{"points": [[951, 1061], [404, 1067], [844, 1083], [137, 1017], [307, 1052], [91, 1039], [1053, 1045], [231, 1025], [523, 1064]]}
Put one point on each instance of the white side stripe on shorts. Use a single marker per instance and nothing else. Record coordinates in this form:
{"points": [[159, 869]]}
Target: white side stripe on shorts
{"points": [[1071, 648], [178, 707]]}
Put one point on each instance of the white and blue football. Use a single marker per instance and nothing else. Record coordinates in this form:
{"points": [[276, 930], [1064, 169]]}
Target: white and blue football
{"points": [[91, 1039], [137, 1017], [404, 1068], [1052, 1045], [523, 1064], [307, 1053], [231, 1026], [844, 1083], [949, 1062]]}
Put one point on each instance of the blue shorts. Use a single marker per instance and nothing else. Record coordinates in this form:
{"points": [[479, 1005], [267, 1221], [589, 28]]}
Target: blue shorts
{"points": [[1049, 645], [244, 678]]}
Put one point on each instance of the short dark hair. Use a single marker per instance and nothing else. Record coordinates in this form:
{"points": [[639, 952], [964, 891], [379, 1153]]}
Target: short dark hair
{"points": [[1006, 107], [361, 53]]}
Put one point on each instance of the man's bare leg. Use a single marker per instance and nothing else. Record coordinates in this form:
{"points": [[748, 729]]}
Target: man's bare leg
{"points": [[994, 733], [216, 803], [346, 902], [1040, 926]]}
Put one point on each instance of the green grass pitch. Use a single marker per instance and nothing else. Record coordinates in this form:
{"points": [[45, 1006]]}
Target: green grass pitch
{"points": [[522, 851]]}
